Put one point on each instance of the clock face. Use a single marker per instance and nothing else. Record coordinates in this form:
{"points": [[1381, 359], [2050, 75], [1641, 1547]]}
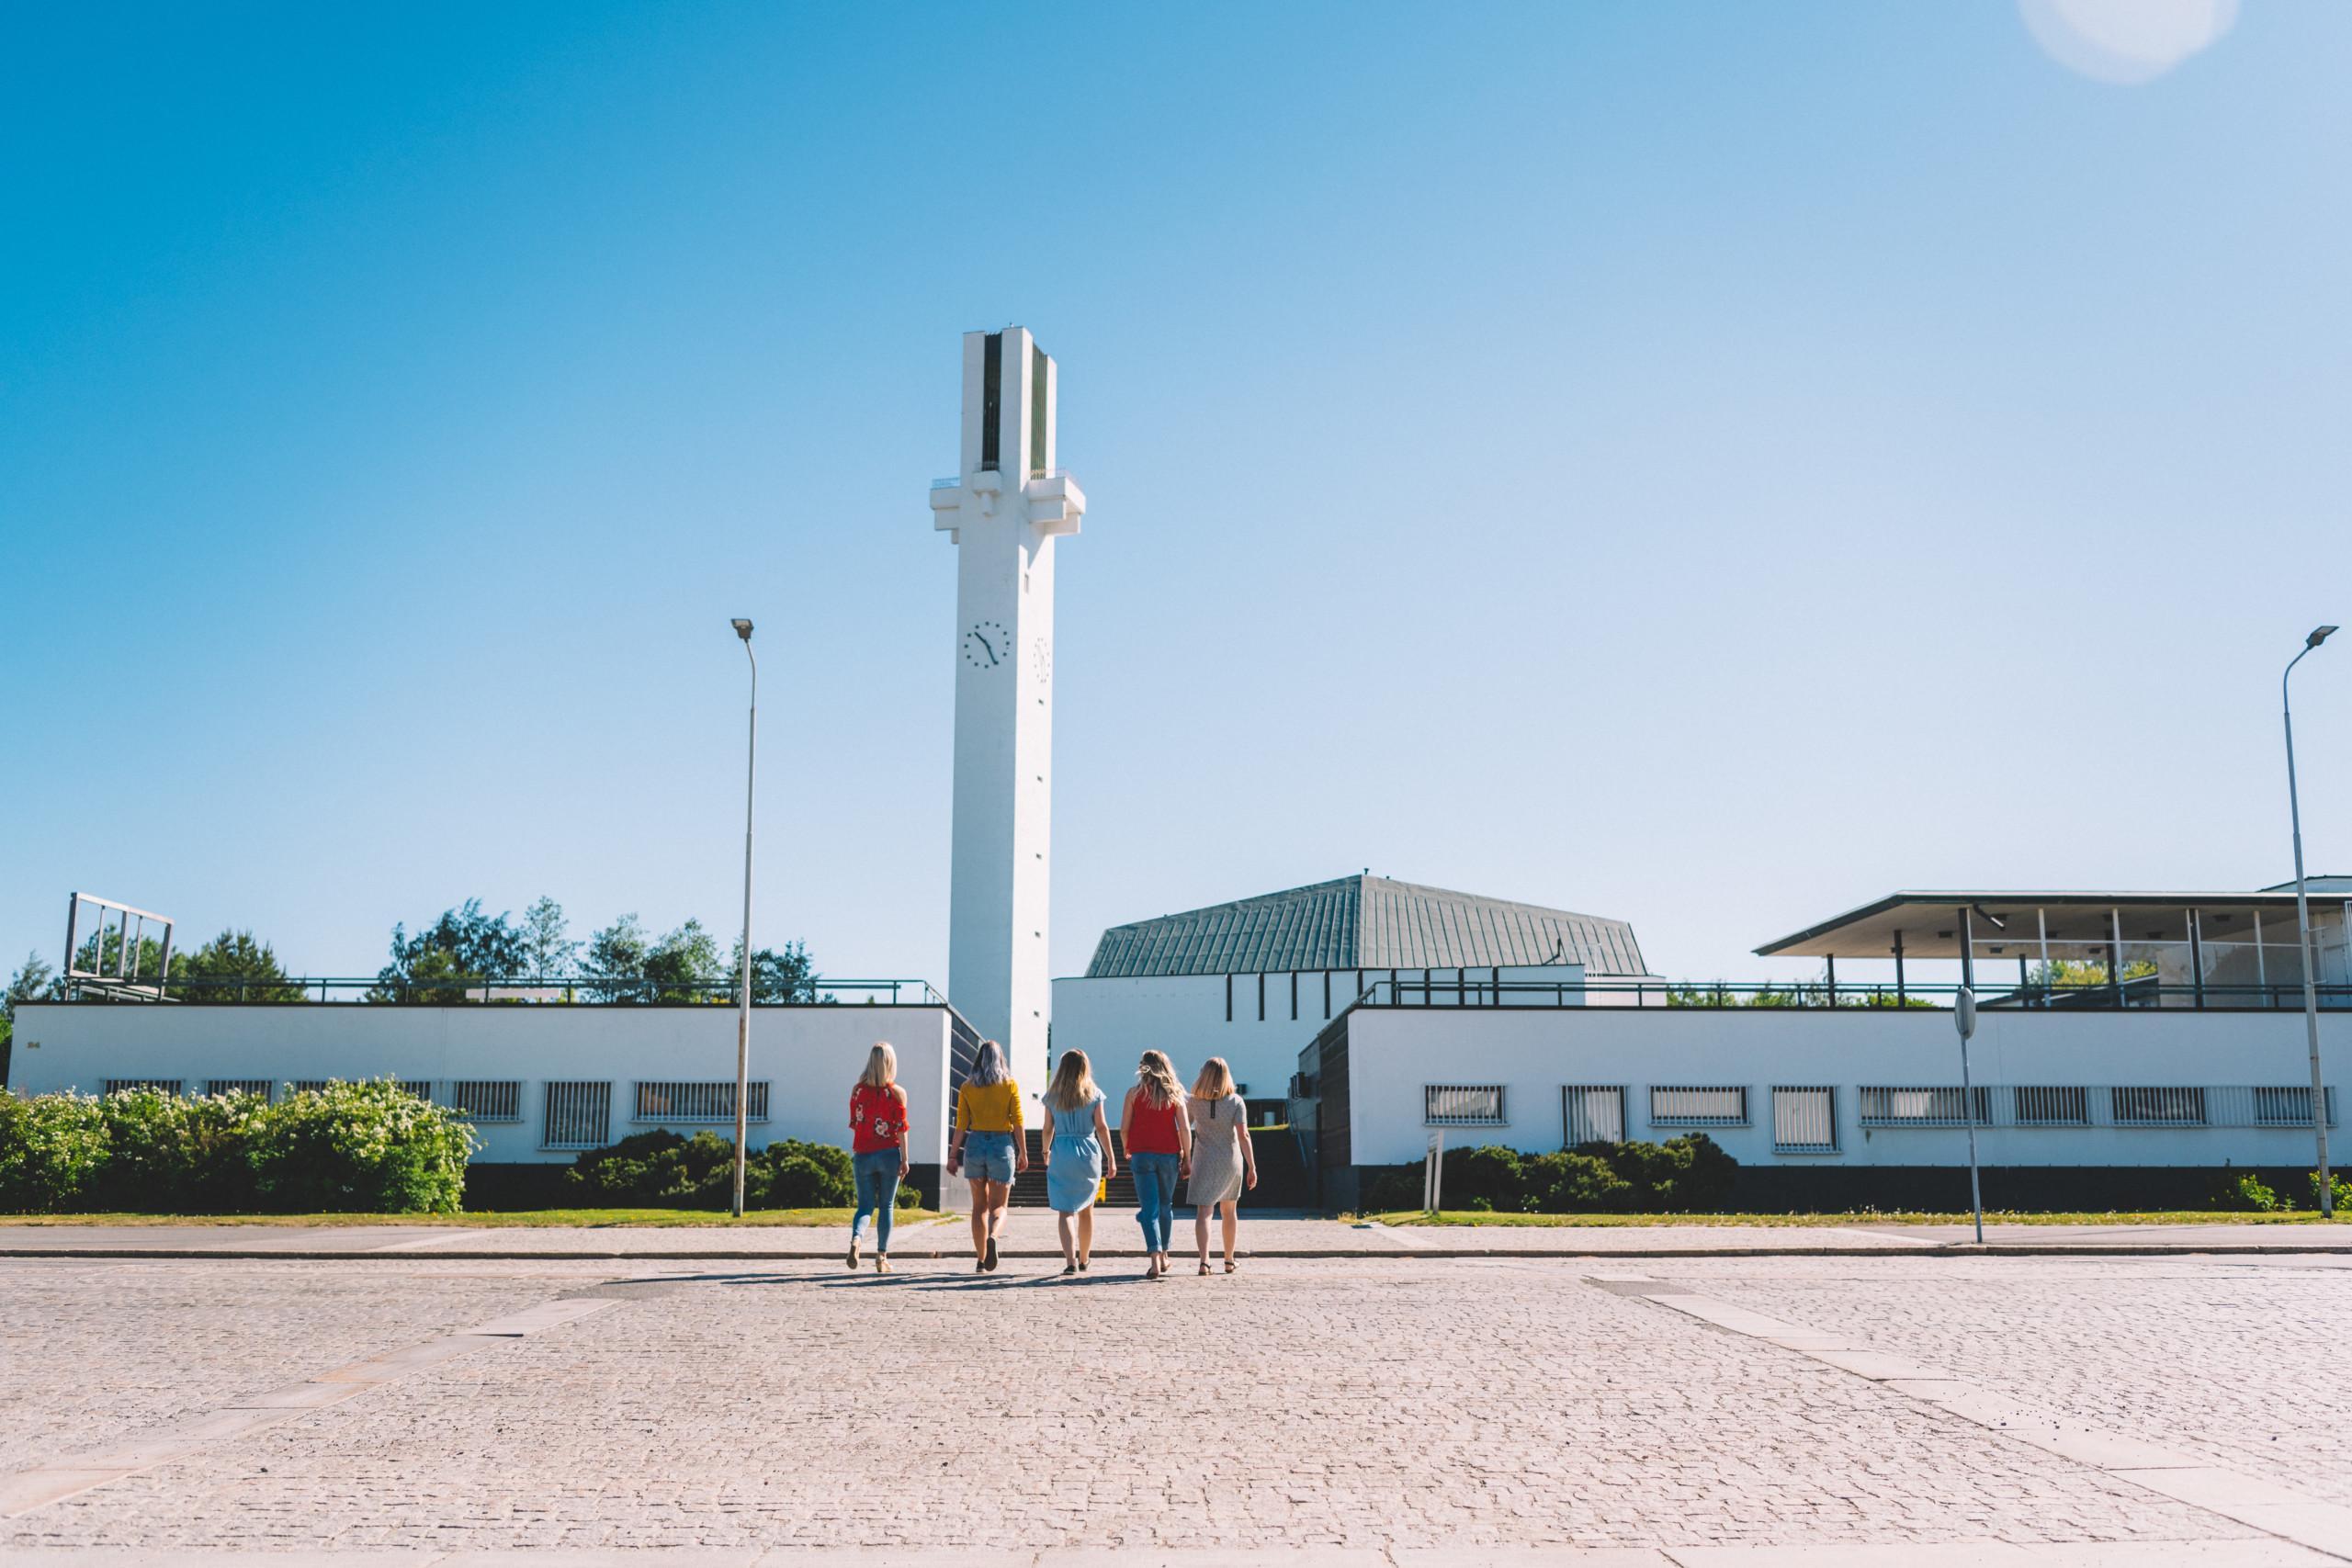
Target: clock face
{"points": [[987, 644]]}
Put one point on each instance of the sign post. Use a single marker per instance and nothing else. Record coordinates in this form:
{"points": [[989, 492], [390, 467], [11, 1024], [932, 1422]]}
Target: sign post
{"points": [[1433, 1173], [1963, 1014]]}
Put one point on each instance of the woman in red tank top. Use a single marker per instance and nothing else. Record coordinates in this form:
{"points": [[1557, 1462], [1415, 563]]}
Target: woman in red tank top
{"points": [[1159, 1138]]}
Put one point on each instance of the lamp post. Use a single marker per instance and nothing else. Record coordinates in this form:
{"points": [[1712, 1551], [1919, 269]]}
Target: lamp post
{"points": [[744, 993], [2303, 934]]}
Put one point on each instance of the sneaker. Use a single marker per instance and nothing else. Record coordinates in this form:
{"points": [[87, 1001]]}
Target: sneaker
{"points": [[853, 1252]]}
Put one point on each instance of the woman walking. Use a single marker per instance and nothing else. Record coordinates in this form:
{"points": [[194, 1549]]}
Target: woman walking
{"points": [[1158, 1139], [1078, 1155], [1223, 1162], [877, 1143], [988, 1148]]}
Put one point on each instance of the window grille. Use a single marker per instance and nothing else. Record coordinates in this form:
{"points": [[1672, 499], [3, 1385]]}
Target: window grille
{"points": [[699, 1102], [1804, 1120], [418, 1089], [1935, 1106], [487, 1099], [262, 1087], [1592, 1113], [579, 1115], [2166, 1107], [1724, 1106], [1463, 1105], [164, 1086], [2052, 1105], [2289, 1106], [310, 1086]]}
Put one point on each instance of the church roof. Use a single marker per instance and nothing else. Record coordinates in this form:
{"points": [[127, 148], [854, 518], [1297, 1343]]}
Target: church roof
{"points": [[1364, 922]]}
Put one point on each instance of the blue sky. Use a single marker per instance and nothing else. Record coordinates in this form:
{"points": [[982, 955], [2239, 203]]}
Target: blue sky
{"points": [[1710, 465]]}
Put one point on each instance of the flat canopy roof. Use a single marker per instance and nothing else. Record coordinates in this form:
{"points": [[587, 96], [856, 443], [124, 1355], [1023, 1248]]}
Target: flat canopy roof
{"points": [[1929, 921]]}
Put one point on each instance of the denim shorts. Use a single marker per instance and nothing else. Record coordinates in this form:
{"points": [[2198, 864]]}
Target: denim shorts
{"points": [[987, 1157]]}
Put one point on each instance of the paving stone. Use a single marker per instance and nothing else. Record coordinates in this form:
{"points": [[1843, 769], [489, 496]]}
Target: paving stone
{"points": [[1384, 1405]]}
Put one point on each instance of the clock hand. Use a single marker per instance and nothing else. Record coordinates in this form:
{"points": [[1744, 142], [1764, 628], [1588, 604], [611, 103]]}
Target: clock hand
{"points": [[985, 643]]}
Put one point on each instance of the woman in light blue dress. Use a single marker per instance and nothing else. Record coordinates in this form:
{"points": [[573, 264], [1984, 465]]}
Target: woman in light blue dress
{"points": [[1077, 1157]]}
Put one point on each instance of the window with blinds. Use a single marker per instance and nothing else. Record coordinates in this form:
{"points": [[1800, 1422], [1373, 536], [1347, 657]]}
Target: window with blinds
{"points": [[1592, 1113], [1938, 1105], [487, 1099], [161, 1085], [1463, 1105], [1804, 1119], [578, 1116], [699, 1101], [261, 1086], [1713, 1106]]}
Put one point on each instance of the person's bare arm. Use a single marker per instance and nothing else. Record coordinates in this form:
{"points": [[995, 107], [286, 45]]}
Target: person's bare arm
{"points": [[1183, 1140], [903, 1167], [1102, 1136], [1248, 1153], [1127, 1118]]}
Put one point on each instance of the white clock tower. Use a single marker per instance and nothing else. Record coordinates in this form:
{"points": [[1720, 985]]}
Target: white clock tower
{"points": [[1004, 509]]}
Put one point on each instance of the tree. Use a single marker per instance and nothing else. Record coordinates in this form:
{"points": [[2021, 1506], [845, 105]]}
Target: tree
{"points": [[786, 976], [684, 965], [32, 983], [614, 968], [233, 968], [102, 954], [547, 951], [471, 947]]}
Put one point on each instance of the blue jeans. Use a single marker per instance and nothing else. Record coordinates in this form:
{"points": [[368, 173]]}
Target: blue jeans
{"points": [[878, 1195], [1155, 1198]]}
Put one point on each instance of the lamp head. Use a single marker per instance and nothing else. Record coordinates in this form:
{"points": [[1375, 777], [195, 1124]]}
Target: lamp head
{"points": [[743, 628], [2318, 634]]}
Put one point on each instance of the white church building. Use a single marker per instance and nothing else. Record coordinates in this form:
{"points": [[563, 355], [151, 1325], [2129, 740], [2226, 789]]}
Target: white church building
{"points": [[1254, 980]]}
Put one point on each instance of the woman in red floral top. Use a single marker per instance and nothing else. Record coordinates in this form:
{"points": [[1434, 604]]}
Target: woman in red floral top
{"points": [[878, 1131]]}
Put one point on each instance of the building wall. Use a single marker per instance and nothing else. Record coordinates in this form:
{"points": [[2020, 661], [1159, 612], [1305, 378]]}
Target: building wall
{"points": [[1394, 1053], [1116, 1019], [809, 1055]]}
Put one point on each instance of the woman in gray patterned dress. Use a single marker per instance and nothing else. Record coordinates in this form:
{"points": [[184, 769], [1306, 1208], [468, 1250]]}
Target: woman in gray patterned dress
{"points": [[1224, 1163]]}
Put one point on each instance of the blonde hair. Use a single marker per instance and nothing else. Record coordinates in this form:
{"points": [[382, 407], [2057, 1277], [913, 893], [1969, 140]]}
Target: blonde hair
{"points": [[1157, 1077], [881, 1067], [1073, 1083], [1216, 1080]]}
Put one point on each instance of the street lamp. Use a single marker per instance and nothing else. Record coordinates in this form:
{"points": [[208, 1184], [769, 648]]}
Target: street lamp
{"points": [[743, 995], [2303, 934]]}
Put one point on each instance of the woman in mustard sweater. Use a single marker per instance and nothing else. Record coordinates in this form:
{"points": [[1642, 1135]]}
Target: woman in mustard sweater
{"points": [[988, 1148]]}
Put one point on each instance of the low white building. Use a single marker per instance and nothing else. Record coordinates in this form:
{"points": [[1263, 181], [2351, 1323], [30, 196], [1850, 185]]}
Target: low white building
{"points": [[540, 1082], [1252, 981], [2134, 1079]]}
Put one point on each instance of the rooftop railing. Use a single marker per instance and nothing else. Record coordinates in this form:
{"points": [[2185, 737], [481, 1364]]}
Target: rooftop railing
{"points": [[1466, 989], [519, 990]]}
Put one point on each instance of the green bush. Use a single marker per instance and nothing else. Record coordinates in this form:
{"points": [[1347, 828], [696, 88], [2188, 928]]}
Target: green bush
{"points": [[51, 1148], [361, 1147], [662, 1170], [1690, 1174], [2250, 1191], [2343, 1189]]}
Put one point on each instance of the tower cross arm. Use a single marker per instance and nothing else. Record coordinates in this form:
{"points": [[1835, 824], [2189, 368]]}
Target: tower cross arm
{"points": [[1055, 504]]}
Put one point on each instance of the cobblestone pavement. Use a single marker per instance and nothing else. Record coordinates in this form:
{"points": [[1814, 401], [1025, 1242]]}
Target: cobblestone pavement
{"points": [[1275, 1233], [1387, 1403], [2249, 1372]]}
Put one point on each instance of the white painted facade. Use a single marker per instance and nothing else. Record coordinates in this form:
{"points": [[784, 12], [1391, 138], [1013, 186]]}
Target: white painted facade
{"points": [[1004, 510], [1395, 1054], [808, 1057], [1259, 1022]]}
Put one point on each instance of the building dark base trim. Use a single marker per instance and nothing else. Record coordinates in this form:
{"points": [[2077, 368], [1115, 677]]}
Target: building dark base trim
{"points": [[2057, 1188]]}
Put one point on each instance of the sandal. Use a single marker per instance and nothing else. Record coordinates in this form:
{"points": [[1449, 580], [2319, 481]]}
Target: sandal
{"points": [[1204, 1270], [988, 1263], [1069, 1268], [1228, 1265], [881, 1263], [852, 1254]]}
